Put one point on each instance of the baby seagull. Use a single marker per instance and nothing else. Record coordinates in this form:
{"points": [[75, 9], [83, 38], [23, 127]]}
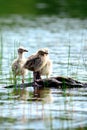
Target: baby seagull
{"points": [[47, 69], [39, 63], [17, 65]]}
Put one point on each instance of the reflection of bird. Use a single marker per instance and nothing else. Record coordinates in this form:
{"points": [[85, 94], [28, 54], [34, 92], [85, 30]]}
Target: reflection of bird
{"points": [[39, 63], [17, 65]]}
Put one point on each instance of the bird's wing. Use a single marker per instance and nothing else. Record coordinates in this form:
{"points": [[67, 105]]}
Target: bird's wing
{"points": [[16, 67], [33, 63]]}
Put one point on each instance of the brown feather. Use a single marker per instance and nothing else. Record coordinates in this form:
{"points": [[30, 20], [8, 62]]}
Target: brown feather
{"points": [[34, 62]]}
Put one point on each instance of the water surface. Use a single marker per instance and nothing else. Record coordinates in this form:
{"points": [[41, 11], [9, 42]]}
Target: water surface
{"points": [[49, 109]]}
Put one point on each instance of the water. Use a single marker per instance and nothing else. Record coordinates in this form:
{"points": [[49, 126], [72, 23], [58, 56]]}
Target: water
{"points": [[50, 109]]}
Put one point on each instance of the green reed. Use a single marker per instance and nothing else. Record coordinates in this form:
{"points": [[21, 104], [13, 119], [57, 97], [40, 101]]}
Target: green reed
{"points": [[1, 53], [68, 62]]}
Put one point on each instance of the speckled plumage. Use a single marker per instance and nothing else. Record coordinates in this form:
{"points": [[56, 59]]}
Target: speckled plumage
{"points": [[17, 65], [36, 61], [39, 62]]}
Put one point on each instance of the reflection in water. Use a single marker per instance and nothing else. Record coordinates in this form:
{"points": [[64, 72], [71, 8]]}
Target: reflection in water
{"points": [[26, 108], [47, 108], [31, 106], [35, 95]]}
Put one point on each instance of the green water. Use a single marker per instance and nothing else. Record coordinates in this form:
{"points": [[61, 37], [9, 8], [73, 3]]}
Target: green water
{"points": [[64, 8]]}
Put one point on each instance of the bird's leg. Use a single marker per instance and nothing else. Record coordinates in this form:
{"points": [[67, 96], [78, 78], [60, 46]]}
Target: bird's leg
{"points": [[47, 76], [23, 79], [36, 76]]}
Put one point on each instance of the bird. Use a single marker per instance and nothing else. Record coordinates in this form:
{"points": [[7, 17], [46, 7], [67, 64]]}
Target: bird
{"points": [[17, 64], [47, 69], [39, 63]]}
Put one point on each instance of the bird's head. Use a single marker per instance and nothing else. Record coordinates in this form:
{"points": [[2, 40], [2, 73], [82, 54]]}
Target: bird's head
{"points": [[43, 51], [22, 50]]}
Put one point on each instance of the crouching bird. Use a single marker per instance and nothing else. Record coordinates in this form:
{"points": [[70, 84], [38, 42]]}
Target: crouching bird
{"points": [[17, 65], [39, 63]]}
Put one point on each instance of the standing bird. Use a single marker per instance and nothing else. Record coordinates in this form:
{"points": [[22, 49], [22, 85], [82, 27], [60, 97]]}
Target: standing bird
{"points": [[47, 69], [17, 65], [39, 63]]}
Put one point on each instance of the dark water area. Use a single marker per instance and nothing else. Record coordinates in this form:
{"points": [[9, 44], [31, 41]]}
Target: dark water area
{"points": [[62, 8]]}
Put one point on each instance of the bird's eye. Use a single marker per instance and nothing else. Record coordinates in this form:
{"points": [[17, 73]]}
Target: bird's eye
{"points": [[42, 54], [20, 50]]}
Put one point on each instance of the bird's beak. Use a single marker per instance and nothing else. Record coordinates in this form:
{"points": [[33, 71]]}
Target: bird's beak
{"points": [[25, 50], [45, 52]]}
